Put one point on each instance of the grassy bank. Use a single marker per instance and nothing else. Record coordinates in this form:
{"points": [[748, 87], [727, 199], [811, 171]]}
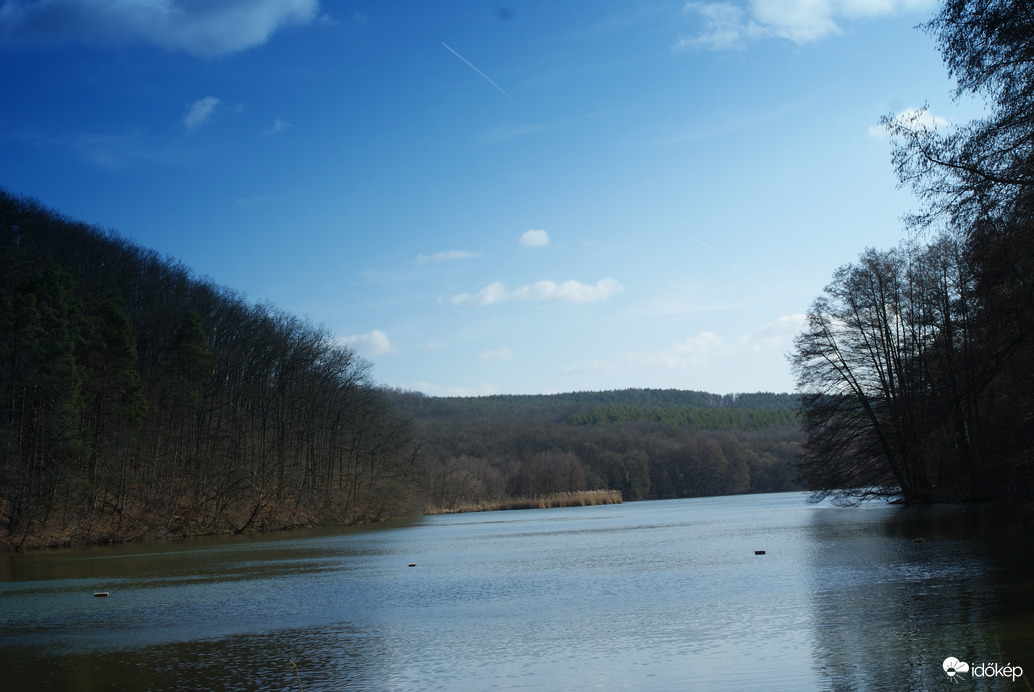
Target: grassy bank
{"points": [[582, 498]]}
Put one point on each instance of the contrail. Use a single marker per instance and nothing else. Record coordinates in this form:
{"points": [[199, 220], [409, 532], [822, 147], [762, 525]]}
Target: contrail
{"points": [[479, 72], [730, 264]]}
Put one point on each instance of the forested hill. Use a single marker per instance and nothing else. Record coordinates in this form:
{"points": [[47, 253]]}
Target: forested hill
{"points": [[138, 401], [576, 402], [647, 443], [674, 407]]}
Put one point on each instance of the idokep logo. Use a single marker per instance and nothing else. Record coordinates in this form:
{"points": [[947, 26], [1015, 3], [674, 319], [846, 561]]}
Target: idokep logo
{"points": [[954, 668]]}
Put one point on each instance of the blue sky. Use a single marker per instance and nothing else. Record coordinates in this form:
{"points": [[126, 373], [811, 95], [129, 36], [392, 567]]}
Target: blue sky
{"points": [[486, 198]]}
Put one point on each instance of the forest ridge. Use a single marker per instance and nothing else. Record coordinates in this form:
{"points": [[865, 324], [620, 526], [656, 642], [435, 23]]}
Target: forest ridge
{"points": [[645, 443]]}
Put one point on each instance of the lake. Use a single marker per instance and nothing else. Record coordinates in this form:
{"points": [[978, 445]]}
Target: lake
{"points": [[665, 595]]}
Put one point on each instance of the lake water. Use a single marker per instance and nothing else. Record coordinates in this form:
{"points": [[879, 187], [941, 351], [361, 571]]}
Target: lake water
{"points": [[663, 595]]}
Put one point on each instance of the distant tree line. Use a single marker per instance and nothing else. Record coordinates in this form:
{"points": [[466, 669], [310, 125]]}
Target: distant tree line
{"points": [[697, 418], [568, 402], [137, 400], [916, 367], [648, 444]]}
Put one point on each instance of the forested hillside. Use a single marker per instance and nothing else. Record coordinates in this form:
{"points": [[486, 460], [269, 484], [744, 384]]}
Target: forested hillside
{"points": [[648, 444], [138, 401]]}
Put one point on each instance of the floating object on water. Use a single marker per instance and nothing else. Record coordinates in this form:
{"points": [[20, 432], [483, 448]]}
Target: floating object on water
{"points": [[759, 552], [100, 594], [412, 564], [919, 540]]}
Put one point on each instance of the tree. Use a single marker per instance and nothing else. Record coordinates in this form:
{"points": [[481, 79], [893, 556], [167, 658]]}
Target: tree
{"points": [[978, 180], [846, 364], [927, 388], [884, 368], [977, 170], [46, 443]]}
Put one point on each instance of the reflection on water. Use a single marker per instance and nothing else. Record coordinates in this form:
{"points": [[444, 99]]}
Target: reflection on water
{"points": [[653, 595], [898, 590]]}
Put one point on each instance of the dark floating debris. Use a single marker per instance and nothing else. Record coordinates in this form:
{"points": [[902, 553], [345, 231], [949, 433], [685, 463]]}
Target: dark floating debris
{"points": [[100, 594], [919, 540], [759, 552]]}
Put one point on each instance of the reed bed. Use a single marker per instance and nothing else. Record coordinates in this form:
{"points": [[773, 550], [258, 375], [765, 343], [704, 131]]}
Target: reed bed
{"points": [[581, 498]]}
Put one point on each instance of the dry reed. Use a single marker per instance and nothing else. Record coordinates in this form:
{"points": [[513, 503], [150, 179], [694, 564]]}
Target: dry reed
{"points": [[582, 498]]}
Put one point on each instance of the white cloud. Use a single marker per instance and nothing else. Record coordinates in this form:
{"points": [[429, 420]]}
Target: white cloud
{"points": [[732, 25], [278, 126], [693, 353], [203, 29], [724, 27], [373, 343], [776, 334], [437, 390], [494, 292], [200, 111], [534, 238], [495, 354], [570, 291], [446, 256], [800, 21], [914, 118], [695, 350], [701, 351]]}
